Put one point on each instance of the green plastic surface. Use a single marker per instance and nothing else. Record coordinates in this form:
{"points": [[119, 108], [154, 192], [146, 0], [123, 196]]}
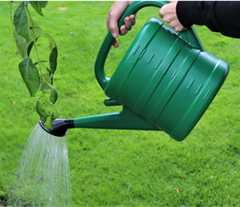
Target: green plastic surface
{"points": [[124, 119], [166, 80]]}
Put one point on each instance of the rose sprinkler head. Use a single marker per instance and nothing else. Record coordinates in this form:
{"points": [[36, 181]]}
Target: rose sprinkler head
{"points": [[60, 126]]}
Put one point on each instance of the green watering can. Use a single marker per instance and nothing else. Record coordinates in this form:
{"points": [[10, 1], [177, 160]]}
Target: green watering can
{"points": [[165, 81]]}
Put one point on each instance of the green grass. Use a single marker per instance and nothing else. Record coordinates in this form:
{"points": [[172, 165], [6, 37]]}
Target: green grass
{"points": [[117, 167]]}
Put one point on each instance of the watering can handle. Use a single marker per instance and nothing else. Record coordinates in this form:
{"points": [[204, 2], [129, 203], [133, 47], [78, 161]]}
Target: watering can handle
{"points": [[188, 35]]}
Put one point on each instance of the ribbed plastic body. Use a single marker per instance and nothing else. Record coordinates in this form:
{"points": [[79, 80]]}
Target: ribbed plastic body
{"points": [[167, 81]]}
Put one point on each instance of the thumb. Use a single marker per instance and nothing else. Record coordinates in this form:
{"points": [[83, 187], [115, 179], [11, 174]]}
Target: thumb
{"points": [[115, 31], [112, 25], [114, 14]]}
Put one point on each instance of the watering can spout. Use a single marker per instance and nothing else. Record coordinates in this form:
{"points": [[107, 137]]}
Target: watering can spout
{"points": [[60, 126], [124, 119]]}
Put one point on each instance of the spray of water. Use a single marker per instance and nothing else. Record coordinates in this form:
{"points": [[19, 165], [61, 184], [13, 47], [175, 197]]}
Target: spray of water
{"points": [[44, 176]]}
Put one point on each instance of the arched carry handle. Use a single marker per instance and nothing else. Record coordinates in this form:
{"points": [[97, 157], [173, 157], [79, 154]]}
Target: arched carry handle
{"points": [[188, 35]]}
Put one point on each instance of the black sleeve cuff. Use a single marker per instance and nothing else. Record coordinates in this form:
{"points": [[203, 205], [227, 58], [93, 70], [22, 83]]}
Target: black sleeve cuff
{"points": [[187, 13]]}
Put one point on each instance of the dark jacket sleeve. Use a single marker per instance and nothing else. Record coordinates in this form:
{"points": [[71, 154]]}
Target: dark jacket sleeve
{"points": [[218, 16]]}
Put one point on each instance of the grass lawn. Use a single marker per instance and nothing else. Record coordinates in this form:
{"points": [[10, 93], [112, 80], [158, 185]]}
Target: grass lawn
{"points": [[117, 167]]}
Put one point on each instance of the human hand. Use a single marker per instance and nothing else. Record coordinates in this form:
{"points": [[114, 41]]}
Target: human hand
{"points": [[114, 15], [169, 15]]}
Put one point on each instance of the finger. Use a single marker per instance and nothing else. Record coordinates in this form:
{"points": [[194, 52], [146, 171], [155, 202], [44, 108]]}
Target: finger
{"points": [[172, 25], [160, 13], [177, 26], [164, 10], [116, 43], [167, 19], [133, 19], [180, 29], [123, 30], [128, 23]]}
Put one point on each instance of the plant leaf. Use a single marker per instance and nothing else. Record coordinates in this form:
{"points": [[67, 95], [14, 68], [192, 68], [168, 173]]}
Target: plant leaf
{"points": [[51, 40], [29, 48], [42, 61], [54, 53], [38, 5], [47, 80], [53, 96], [53, 60], [48, 122], [35, 30], [55, 114], [30, 75], [22, 44], [41, 111], [20, 20]]}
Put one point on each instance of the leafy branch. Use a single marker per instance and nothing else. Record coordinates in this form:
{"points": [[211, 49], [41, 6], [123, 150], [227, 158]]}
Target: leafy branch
{"points": [[37, 76]]}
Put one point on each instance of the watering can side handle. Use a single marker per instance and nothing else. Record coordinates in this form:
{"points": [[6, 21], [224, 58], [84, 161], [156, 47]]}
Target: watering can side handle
{"points": [[103, 80], [109, 39]]}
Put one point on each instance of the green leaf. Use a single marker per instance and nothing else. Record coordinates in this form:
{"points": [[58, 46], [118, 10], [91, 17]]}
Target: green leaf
{"points": [[55, 114], [30, 75], [22, 45], [47, 80], [51, 40], [20, 20], [54, 53], [29, 48], [42, 61], [35, 30], [53, 60], [48, 122], [53, 96], [38, 5], [41, 111]]}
